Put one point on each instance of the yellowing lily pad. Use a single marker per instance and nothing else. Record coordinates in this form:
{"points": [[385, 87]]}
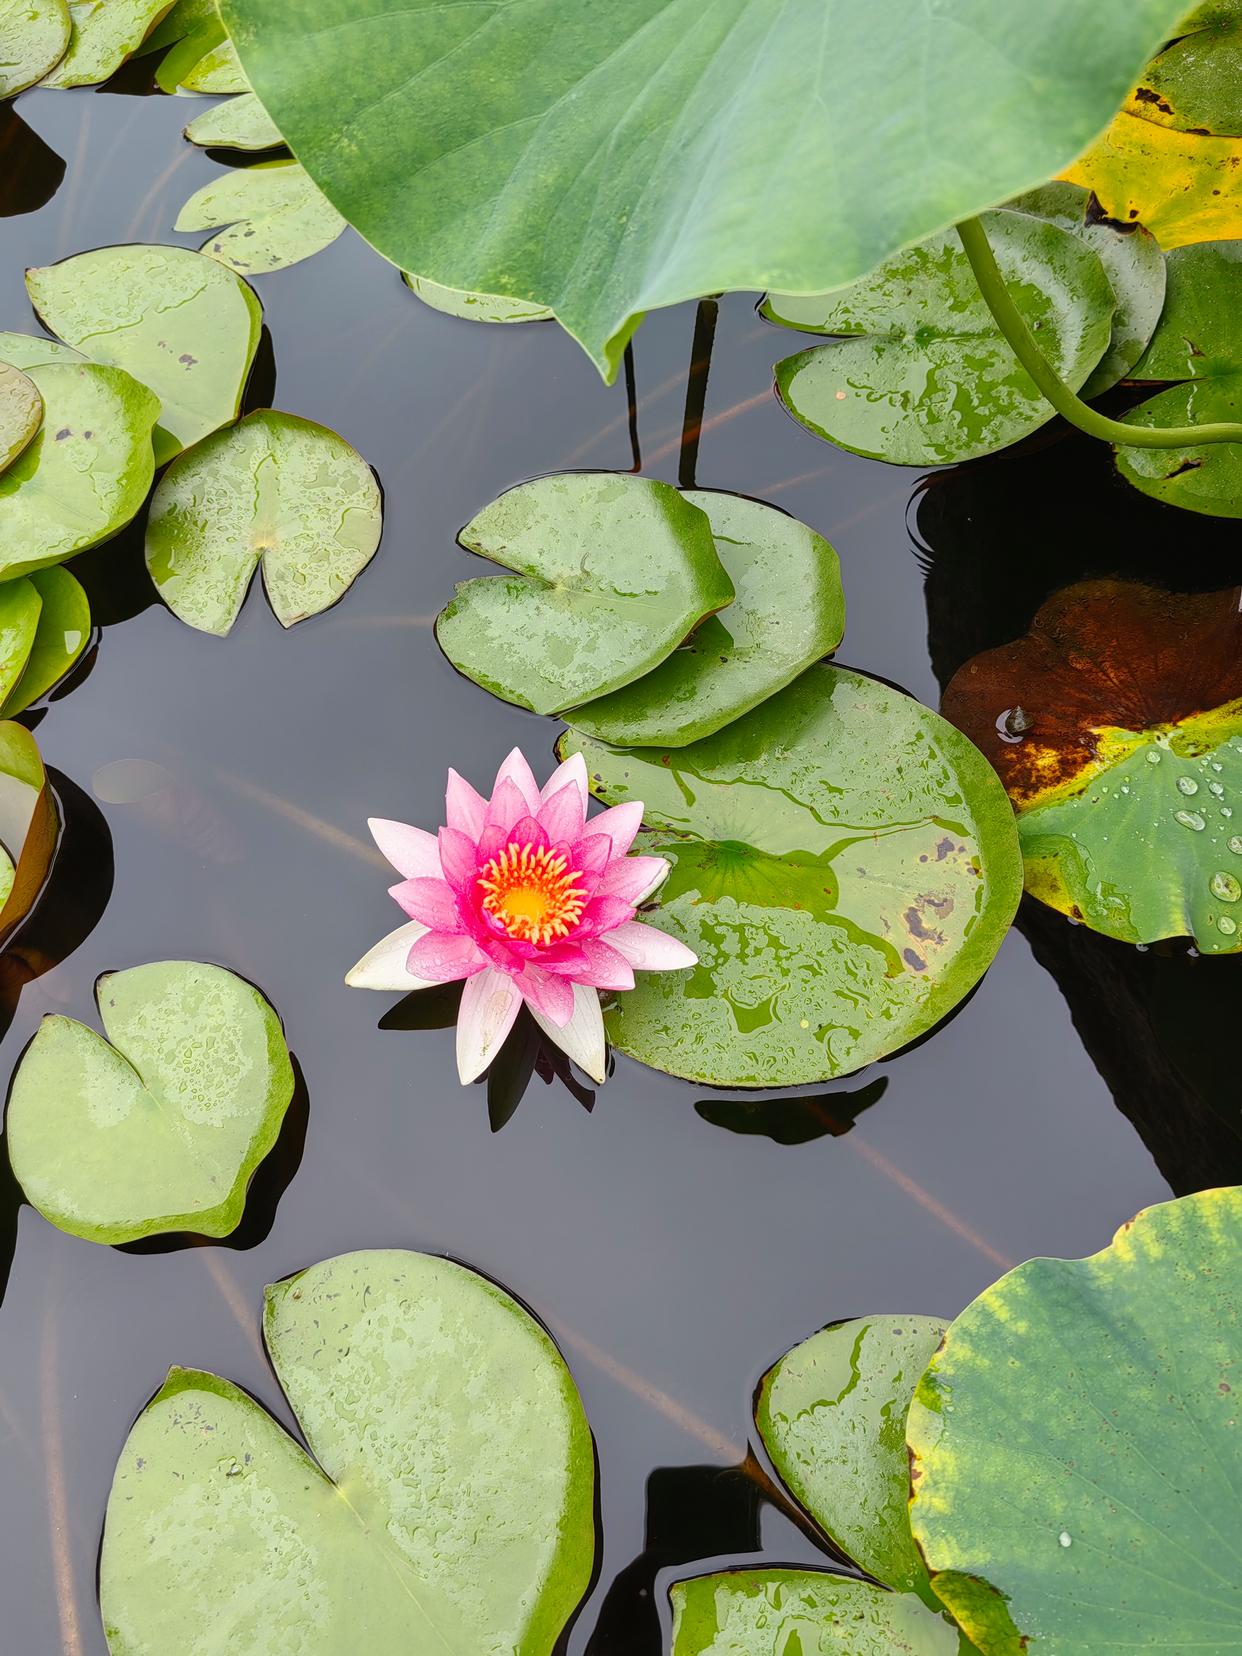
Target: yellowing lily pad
{"points": [[474, 307], [281, 217], [1184, 186], [105, 33], [21, 412], [34, 36], [239, 123]]}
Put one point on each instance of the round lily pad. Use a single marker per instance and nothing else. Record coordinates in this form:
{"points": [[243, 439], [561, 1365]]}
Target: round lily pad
{"points": [[181, 323], [29, 826], [474, 307], [276, 216], [791, 1612], [105, 33], [1074, 1445], [1116, 727], [34, 36], [21, 413], [62, 631], [448, 1507], [162, 1129], [87, 472], [789, 612], [273, 489], [844, 864], [239, 123], [922, 375], [1195, 84], [611, 574]]}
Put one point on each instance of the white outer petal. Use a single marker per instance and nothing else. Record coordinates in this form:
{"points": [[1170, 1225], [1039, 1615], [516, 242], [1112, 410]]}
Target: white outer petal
{"points": [[648, 949], [413, 852], [383, 967], [582, 1039], [489, 1004]]}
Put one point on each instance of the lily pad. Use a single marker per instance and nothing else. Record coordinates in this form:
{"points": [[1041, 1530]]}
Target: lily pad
{"points": [[28, 351], [1116, 727], [787, 1612], [186, 36], [789, 612], [1185, 187], [845, 866], [611, 574], [920, 332], [474, 307], [179, 322], [273, 488], [87, 472], [448, 1507], [217, 72], [21, 413], [832, 1415], [62, 631], [1195, 84], [29, 826], [239, 123], [162, 1129], [1075, 1445], [105, 33], [34, 36], [281, 217]]}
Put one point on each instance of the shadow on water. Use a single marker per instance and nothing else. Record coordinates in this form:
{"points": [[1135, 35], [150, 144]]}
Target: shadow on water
{"points": [[30, 172], [792, 1120]]}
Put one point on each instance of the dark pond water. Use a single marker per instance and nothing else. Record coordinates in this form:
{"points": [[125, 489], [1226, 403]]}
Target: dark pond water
{"points": [[672, 1257]]}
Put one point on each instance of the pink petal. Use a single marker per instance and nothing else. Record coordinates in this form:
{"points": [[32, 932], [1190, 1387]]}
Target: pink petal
{"points": [[572, 772], [565, 959], [384, 966], [430, 901], [620, 823], [552, 996], [562, 816], [507, 805], [527, 831], [411, 851], [601, 915], [633, 878], [444, 957], [459, 858], [516, 770], [464, 807], [489, 1004], [582, 1038], [591, 854], [492, 842], [649, 949], [606, 968]]}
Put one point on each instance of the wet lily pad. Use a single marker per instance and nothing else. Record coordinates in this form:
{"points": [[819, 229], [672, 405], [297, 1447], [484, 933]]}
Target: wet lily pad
{"points": [[1116, 727], [789, 611], [21, 413], [449, 1506], [159, 1127], [189, 31], [34, 36], [273, 489], [1074, 1445], [179, 322], [62, 631], [28, 351], [217, 72], [87, 472], [105, 33], [29, 826], [610, 574], [474, 307], [275, 216], [783, 1612], [845, 866], [239, 123], [919, 331]]}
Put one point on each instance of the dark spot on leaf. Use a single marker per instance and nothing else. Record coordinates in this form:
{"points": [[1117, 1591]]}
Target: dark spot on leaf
{"points": [[1186, 466], [63, 433], [943, 847], [915, 962], [1149, 95]]}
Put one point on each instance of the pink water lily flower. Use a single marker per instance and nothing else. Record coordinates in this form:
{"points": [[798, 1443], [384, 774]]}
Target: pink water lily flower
{"points": [[527, 900]]}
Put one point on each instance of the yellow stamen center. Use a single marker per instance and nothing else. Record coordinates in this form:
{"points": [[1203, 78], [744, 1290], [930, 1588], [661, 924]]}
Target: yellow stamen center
{"points": [[533, 894]]}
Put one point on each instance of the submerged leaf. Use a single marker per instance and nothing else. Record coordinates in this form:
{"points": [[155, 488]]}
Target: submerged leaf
{"points": [[474, 307], [105, 33], [34, 36], [786, 1612], [21, 413], [239, 123], [281, 216]]}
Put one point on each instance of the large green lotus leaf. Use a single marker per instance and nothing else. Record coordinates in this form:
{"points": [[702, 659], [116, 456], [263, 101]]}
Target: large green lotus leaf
{"points": [[1132, 262], [1199, 344], [1116, 727], [239, 123], [450, 1512], [1195, 84], [801, 1613], [162, 1129], [1075, 1446], [29, 826], [611, 574], [281, 217], [62, 632], [832, 1415], [607, 161], [87, 472], [474, 307], [176, 320], [924, 376], [789, 611], [105, 33], [34, 36], [845, 866], [273, 488], [21, 412]]}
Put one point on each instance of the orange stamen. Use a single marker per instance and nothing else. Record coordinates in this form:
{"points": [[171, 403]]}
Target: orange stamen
{"points": [[533, 894]]}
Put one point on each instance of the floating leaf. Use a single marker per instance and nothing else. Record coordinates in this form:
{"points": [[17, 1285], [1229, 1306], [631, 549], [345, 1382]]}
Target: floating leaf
{"points": [[282, 217], [34, 36], [179, 322], [105, 33], [87, 472], [1116, 726], [273, 488], [183, 20], [451, 1509], [190, 31], [1075, 1445], [1185, 187], [474, 307], [28, 351], [21, 413], [787, 1612], [217, 73], [162, 1129], [845, 866], [789, 612], [1195, 84], [29, 826], [62, 631], [611, 574], [921, 330], [239, 123]]}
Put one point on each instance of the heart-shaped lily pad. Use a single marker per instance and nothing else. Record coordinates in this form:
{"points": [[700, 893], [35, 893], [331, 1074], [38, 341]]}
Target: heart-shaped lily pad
{"points": [[21, 413], [181, 323], [611, 574], [917, 331], [105, 33], [448, 1510], [1116, 727], [29, 826], [1074, 1445], [87, 472], [474, 307], [276, 216], [273, 488], [45, 622], [162, 1129], [788, 1612], [34, 36], [789, 612], [239, 123], [844, 864]]}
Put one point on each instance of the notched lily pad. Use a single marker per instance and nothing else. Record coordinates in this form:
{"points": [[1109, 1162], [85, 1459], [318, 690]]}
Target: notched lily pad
{"points": [[783, 1612], [845, 866], [21, 412], [273, 489], [159, 1127], [34, 36], [448, 1507], [611, 573], [45, 624], [281, 217], [29, 826], [1116, 727], [105, 33], [239, 123], [474, 307]]}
